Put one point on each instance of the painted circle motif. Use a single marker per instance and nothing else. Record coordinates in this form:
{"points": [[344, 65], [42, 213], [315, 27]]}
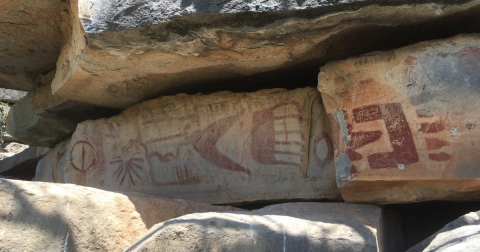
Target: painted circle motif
{"points": [[84, 155]]}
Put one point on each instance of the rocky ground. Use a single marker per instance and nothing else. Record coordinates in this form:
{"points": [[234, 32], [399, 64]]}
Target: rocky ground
{"points": [[232, 125]]}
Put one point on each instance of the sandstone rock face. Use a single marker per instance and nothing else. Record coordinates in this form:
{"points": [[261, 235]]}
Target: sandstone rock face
{"points": [[51, 167], [57, 217], [405, 123], [286, 227], [20, 157], [30, 40], [219, 148], [41, 119], [462, 234], [10, 95], [148, 57]]}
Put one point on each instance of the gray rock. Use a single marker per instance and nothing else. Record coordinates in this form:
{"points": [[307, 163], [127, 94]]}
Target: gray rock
{"points": [[462, 234], [37, 216], [40, 119], [20, 160], [10, 95], [226, 46], [105, 16], [332, 227]]}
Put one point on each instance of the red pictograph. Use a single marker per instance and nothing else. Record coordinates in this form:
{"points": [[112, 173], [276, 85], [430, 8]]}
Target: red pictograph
{"points": [[82, 156], [273, 136], [399, 133]]}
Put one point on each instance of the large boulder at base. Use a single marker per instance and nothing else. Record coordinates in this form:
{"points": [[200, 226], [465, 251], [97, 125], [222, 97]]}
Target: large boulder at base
{"points": [[42, 119], [460, 235], [405, 122], [20, 160], [219, 148], [333, 227], [30, 40], [10, 95], [37, 216], [138, 50], [51, 167]]}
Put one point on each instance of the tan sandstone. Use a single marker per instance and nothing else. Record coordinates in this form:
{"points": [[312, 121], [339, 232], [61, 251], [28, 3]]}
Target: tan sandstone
{"points": [[121, 66], [38, 216], [30, 40], [405, 122], [219, 148]]}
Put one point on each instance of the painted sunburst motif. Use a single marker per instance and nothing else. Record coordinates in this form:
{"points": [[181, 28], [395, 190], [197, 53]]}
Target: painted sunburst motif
{"points": [[129, 163], [128, 170]]}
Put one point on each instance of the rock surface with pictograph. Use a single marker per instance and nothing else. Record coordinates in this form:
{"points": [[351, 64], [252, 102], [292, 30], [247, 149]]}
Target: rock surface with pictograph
{"points": [[219, 148], [405, 122]]}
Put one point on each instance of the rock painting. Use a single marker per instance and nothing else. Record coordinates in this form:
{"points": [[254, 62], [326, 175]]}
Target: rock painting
{"points": [[212, 141]]}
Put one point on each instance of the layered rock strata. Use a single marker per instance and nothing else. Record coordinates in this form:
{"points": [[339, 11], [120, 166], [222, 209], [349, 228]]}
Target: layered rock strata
{"points": [[58, 217], [287, 227], [405, 123], [219, 148], [146, 57]]}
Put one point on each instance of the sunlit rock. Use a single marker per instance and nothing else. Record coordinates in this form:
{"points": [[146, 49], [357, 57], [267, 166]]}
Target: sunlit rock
{"points": [[219, 148], [137, 50], [405, 122], [312, 227], [38, 216]]}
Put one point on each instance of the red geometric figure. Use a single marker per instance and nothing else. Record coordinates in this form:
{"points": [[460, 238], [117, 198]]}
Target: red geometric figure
{"points": [[435, 143], [264, 145], [359, 139], [434, 127], [86, 150], [204, 142], [442, 156], [399, 133]]}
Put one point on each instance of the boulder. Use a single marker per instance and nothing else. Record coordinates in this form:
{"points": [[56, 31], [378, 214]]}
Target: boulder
{"points": [[20, 160], [30, 40], [332, 227], [43, 119], [51, 167], [219, 148], [10, 95], [462, 234], [137, 50], [404, 122], [39, 216]]}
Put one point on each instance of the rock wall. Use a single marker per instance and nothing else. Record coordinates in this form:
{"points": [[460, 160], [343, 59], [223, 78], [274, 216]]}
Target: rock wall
{"points": [[236, 51], [405, 122], [30, 41], [219, 148]]}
